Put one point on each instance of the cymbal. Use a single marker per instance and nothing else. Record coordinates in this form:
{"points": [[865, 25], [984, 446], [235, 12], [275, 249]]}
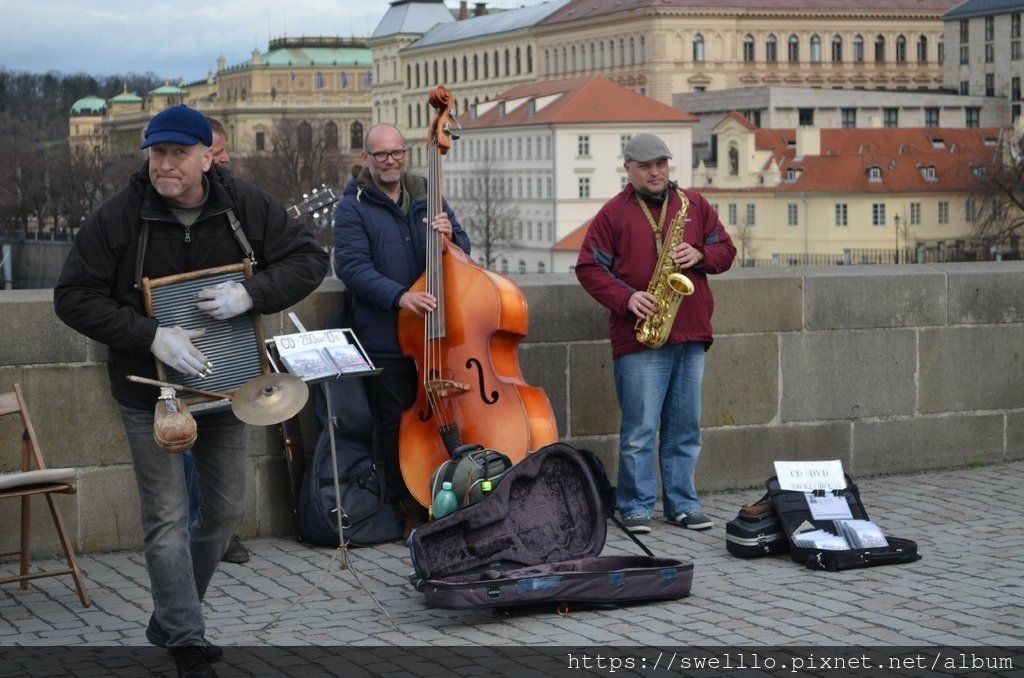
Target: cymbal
{"points": [[269, 399]]}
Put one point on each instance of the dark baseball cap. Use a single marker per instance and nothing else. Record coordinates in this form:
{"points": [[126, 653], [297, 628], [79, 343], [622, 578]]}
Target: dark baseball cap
{"points": [[178, 125]]}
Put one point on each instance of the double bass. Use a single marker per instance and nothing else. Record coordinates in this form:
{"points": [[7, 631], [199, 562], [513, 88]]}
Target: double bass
{"points": [[470, 390]]}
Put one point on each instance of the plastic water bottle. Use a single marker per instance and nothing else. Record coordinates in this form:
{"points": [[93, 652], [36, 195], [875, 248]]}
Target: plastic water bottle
{"points": [[445, 501]]}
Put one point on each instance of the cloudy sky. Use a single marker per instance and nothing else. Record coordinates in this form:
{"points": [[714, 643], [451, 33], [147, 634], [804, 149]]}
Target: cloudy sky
{"points": [[173, 39]]}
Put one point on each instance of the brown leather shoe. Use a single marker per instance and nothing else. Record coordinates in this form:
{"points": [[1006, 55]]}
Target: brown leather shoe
{"points": [[415, 515]]}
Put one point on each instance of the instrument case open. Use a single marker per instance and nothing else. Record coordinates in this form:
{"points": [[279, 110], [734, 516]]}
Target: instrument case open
{"points": [[536, 538], [795, 515]]}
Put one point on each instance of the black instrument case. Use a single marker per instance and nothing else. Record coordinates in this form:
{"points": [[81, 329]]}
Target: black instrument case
{"points": [[535, 538]]}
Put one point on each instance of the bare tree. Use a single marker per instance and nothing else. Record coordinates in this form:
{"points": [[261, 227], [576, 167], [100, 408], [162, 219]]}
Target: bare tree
{"points": [[997, 196], [743, 237], [488, 214], [299, 160]]}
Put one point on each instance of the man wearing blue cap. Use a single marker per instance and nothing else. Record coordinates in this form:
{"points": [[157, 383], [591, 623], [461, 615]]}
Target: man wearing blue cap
{"points": [[181, 213]]}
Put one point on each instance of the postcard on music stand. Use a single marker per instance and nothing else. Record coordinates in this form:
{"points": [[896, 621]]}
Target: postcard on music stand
{"points": [[321, 354]]}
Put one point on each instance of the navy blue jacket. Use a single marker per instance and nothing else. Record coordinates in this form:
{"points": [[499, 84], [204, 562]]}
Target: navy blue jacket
{"points": [[379, 253]]}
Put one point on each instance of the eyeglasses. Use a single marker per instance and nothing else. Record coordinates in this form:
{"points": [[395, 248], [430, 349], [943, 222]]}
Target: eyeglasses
{"points": [[382, 156]]}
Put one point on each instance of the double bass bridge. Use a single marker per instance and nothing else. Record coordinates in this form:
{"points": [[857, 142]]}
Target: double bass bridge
{"points": [[444, 388]]}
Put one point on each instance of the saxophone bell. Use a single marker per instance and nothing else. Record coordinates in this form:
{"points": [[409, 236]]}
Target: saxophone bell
{"points": [[680, 284]]}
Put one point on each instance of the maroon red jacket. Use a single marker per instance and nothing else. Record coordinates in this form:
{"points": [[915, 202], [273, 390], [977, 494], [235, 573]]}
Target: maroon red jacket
{"points": [[619, 255]]}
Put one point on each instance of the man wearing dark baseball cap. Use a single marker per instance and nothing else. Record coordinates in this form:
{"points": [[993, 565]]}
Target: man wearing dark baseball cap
{"points": [[178, 214], [621, 265], [178, 125]]}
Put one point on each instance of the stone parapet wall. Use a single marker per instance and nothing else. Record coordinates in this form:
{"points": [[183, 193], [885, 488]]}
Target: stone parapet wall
{"points": [[893, 369]]}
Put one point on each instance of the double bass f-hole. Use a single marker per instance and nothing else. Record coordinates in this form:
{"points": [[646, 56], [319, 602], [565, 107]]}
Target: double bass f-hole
{"points": [[473, 362]]}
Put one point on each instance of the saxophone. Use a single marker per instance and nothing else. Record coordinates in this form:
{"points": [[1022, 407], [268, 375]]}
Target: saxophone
{"points": [[667, 285]]}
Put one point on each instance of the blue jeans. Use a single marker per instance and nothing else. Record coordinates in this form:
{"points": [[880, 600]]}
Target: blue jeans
{"points": [[659, 393], [182, 562]]}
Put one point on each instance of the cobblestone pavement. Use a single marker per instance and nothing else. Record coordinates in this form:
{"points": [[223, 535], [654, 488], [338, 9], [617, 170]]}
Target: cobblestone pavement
{"points": [[967, 590]]}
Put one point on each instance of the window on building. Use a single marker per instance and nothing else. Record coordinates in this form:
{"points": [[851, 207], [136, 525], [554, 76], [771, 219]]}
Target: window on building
{"points": [[584, 187], [1015, 88], [922, 49], [522, 266], [748, 48], [990, 53], [972, 117], [623, 140], [901, 49], [806, 117], [583, 145], [751, 218], [849, 118], [771, 53], [793, 214], [964, 27], [878, 214], [931, 116], [793, 49], [915, 214], [965, 55], [970, 211], [874, 174], [331, 136], [990, 84], [698, 47], [504, 266], [990, 27], [879, 49], [261, 141], [356, 135], [943, 212], [733, 214], [815, 49], [837, 48], [541, 268], [890, 117], [841, 214], [858, 48]]}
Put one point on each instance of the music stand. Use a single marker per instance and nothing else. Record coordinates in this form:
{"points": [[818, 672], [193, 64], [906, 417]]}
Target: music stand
{"points": [[318, 358]]}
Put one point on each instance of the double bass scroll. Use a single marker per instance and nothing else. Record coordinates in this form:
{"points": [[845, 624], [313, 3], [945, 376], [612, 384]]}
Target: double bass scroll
{"points": [[471, 389]]}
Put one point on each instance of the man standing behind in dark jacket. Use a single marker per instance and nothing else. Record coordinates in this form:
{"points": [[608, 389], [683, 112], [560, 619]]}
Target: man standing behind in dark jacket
{"points": [[180, 203], [380, 250]]}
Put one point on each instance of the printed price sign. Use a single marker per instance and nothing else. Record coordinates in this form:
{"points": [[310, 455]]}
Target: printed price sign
{"points": [[808, 476]]}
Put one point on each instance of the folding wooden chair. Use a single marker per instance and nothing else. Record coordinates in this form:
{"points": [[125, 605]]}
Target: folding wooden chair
{"points": [[32, 480]]}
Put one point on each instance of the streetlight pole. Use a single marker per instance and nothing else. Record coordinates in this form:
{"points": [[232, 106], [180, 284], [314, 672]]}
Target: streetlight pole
{"points": [[896, 220]]}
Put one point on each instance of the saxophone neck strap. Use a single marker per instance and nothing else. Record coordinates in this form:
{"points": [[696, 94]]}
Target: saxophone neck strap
{"points": [[658, 227]]}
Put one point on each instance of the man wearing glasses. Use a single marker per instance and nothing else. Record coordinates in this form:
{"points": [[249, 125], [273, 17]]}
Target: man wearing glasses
{"points": [[380, 249]]}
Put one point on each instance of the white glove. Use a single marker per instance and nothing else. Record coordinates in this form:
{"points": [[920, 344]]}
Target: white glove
{"points": [[224, 300], [173, 347]]}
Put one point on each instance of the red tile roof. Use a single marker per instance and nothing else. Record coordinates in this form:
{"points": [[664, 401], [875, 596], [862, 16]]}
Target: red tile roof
{"points": [[902, 156], [574, 241], [579, 100]]}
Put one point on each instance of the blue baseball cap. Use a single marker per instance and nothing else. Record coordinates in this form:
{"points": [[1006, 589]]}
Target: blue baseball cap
{"points": [[178, 125]]}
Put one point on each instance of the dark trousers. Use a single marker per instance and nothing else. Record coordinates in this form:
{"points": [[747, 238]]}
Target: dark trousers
{"points": [[390, 393]]}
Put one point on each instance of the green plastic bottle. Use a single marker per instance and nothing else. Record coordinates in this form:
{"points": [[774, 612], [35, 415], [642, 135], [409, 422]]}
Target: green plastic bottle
{"points": [[445, 501]]}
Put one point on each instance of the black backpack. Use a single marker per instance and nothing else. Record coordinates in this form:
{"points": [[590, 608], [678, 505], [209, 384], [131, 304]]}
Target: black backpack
{"points": [[366, 518]]}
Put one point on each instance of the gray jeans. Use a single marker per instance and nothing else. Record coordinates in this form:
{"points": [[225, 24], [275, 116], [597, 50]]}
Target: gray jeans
{"points": [[182, 562]]}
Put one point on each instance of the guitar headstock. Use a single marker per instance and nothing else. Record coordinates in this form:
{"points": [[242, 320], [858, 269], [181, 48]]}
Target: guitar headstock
{"points": [[314, 201]]}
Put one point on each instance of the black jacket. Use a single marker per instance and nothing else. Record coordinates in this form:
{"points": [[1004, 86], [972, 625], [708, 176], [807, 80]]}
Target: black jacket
{"points": [[96, 293]]}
